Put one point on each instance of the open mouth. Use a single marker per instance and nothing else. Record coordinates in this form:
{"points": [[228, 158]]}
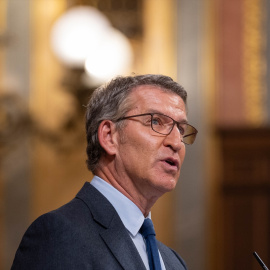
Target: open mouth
{"points": [[171, 162]]}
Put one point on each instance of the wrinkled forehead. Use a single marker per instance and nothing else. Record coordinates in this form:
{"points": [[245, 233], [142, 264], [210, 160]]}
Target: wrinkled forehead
{"points": [[148, 87], [153, 93], [152, 98]]}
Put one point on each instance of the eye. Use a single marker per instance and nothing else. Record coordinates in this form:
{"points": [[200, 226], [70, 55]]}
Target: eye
{"points": [[156, 121], [182, 129]]}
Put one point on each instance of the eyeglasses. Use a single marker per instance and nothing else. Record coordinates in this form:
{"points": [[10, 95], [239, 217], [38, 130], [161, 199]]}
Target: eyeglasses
{"points": [[164, 125]]}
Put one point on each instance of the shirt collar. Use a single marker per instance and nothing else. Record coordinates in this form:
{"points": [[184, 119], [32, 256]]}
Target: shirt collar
{"points": [[129, 213]]}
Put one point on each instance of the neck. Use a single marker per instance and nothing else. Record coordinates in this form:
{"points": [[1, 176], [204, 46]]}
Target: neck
{"points": [[127, 187]]}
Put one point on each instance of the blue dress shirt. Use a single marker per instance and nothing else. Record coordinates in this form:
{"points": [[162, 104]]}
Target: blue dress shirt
{"points": [[130, 214]]}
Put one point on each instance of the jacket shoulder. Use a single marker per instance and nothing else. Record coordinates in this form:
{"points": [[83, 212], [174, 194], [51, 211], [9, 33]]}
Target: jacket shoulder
{"points": [[49, 236]]}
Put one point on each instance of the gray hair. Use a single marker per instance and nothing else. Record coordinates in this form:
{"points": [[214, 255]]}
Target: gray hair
{"points": [[111, 102]]}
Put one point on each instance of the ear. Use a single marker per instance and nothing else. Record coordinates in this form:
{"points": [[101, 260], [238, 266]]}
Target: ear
{"points": [[107, 136]]}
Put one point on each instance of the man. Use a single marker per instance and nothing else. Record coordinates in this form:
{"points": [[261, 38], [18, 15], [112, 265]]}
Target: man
{"points": [[136, 130]]}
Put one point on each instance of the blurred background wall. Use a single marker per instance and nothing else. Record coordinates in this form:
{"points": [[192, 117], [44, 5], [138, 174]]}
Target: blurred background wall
{"points": [[219, 50]]}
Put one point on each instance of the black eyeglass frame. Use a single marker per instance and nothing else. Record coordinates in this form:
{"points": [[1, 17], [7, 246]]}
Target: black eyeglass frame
{"points": [[194, 133]]}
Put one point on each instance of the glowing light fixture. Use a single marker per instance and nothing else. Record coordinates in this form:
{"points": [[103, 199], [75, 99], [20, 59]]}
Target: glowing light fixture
{"points": [[84, 38], [77, 32], [114, 57]]}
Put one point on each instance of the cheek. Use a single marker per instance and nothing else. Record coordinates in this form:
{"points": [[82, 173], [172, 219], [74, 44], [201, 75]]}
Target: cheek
{"points": [[144, 143], [135, 150], [182, 154], [143, 157], [139, 147]]}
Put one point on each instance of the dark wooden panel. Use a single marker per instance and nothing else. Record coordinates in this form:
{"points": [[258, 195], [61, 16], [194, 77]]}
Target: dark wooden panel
{"points": [[245, 194]]}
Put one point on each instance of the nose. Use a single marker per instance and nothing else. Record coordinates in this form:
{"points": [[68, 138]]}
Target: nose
{"points": [[174, 140]]}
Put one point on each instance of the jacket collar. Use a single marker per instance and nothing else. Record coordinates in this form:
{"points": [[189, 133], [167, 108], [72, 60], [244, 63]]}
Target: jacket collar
{"points": [[115, 234]]}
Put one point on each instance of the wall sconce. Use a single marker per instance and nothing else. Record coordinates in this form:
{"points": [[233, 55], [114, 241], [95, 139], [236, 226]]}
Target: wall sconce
{"points": [[83, 38], [92, 52]]}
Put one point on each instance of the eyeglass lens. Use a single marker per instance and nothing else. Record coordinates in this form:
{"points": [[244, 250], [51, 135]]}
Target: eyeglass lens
{"points": [[164, 124]]}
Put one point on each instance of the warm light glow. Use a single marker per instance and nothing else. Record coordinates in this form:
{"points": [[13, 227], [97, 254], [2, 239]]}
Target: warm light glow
{"points": [[77, 32], [84, 38], [113, 57]]}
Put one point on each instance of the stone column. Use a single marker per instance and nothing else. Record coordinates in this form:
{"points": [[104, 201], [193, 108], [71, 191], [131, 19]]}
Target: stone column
{"points": [[191, 207]]}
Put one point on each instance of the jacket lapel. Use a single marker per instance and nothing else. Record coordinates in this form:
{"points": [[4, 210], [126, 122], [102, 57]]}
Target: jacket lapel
{"points": [[119, 242], [170, 258], [114, 234]]}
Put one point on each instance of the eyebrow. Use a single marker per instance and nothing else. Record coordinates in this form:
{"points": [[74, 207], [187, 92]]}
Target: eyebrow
{"points": [[184, 121]]}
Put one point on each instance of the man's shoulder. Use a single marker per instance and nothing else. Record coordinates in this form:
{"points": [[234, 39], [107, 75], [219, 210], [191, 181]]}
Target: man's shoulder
{"points": [[73, 211], [70, 219], [61, 231], [88, 205]]}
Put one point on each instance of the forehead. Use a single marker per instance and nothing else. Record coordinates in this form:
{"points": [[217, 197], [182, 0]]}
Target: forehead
{"points": [[150, 98]]}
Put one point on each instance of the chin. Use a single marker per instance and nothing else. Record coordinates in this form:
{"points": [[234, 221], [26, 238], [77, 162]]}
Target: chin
{"points": [[172, 184], [168, 184]]}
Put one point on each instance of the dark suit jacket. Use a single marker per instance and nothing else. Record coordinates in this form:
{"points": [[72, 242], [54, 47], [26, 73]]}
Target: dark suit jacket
{"points": [[86, 233]]}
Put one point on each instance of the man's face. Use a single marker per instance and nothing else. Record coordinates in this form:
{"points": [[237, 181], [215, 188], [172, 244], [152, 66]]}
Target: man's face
{"points": [[149, 162]]}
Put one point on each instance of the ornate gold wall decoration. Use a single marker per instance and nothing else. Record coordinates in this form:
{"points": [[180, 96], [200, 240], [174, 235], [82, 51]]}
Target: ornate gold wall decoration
{"points": [[254, 62]]}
